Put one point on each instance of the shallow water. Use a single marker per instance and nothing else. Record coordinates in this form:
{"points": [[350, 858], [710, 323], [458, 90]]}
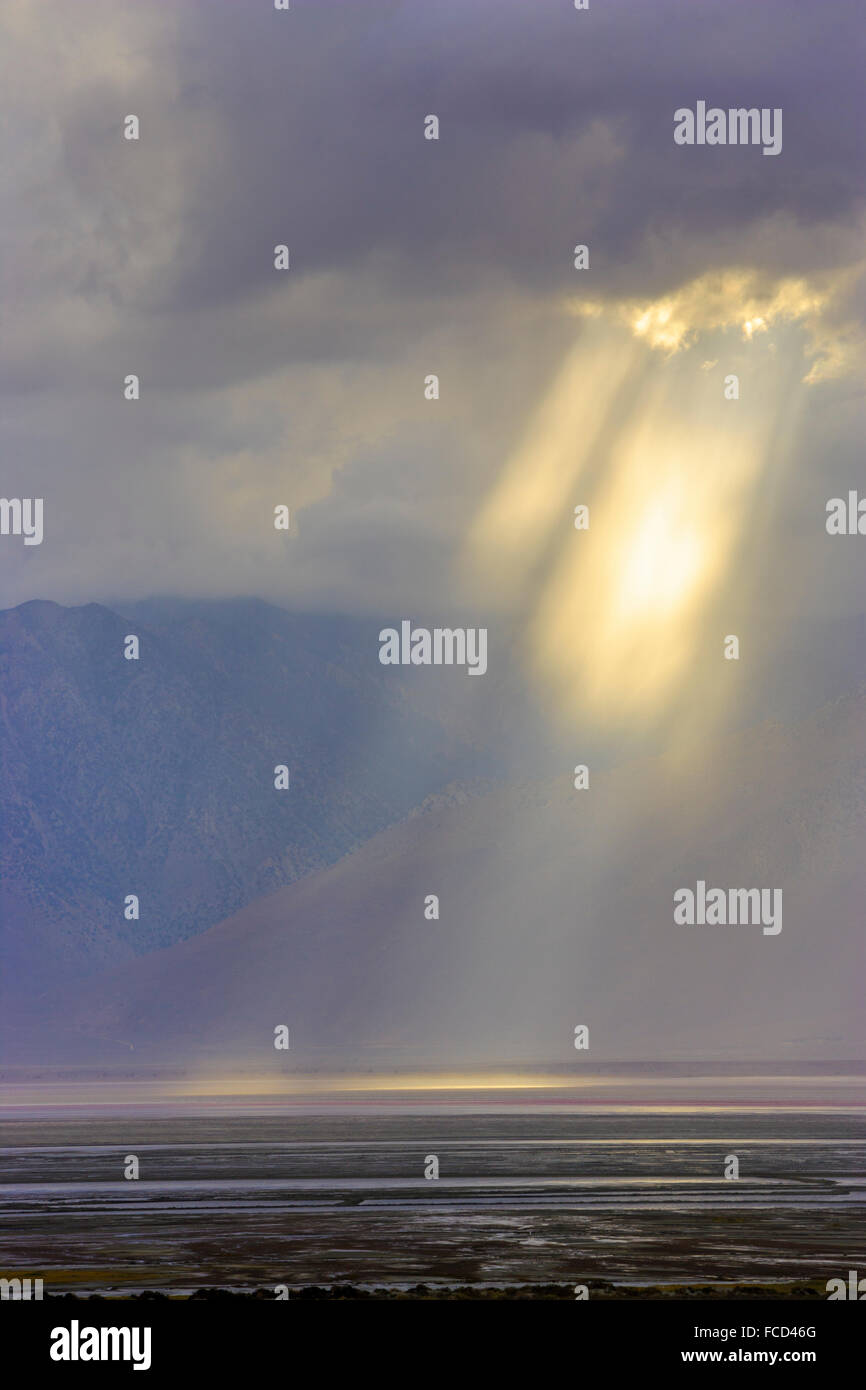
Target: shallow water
{"points": [[250, 1200]]}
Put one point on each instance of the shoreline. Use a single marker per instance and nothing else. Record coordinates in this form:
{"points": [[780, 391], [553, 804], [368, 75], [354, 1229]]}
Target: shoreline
{"points": [[598, 1291]]}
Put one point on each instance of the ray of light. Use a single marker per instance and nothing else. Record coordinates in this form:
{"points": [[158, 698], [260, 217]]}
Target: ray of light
{"points": [[671, 462]]}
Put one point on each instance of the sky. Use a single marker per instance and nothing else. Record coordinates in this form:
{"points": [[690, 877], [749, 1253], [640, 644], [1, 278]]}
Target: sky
{"points": [[558, 387], [605, 386]]}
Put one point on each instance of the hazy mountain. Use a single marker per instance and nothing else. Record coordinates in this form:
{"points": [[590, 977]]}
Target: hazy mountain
{"points": [[556, 910], [155, 777]]}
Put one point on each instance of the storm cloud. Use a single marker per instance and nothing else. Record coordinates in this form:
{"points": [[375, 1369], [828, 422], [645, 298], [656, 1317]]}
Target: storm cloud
{"points": [[408, 257]]}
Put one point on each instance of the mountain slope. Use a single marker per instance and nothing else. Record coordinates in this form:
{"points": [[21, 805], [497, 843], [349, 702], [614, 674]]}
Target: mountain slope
{"points": [[155, 777], [556, 910]]}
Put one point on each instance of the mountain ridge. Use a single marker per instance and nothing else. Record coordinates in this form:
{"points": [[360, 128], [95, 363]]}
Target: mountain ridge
{"points": [[546, 894]]}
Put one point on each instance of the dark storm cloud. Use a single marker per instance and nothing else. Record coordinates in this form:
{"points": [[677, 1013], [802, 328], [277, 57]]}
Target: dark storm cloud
{"points": [[556, 126], [408, 256]]}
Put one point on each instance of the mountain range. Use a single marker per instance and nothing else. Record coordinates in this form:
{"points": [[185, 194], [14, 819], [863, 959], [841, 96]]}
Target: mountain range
{"points": [[314, 909], [155, 777]]}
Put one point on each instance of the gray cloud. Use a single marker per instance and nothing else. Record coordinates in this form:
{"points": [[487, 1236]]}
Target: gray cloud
{"points": [[407, 257]]}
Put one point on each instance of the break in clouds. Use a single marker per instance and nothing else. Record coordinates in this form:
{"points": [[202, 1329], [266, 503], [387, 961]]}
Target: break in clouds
{"points": [[410, 258]]}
